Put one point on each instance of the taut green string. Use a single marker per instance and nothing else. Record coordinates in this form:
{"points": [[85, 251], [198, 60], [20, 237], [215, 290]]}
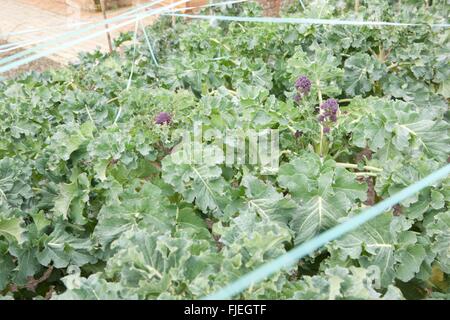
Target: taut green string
{"points": [[308, 21]]}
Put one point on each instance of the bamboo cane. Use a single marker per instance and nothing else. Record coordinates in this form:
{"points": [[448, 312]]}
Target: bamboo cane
{"points": [[103, 4]]}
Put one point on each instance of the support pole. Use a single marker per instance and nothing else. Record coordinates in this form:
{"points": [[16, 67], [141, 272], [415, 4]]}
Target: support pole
{"points": [[103, 4]]}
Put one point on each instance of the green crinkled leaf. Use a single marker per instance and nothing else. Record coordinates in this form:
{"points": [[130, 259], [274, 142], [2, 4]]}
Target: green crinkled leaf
{"points": [[342, 283], [345, 182], [7, 266], [91, 288], [407, 88], [187, 218], [397, 176], [12, 227], [318, 214], [409, 262], [62, 248], [393, 128], [376, 239], [248, 241], [437, 200], [27, 264], [325, 193], [361, 71], [72, 199], [151, 264], [140, 204], [70, 138], [14, 183], [383, 243], [321, 66], [438, 227], [263, 199], [200, 183]]}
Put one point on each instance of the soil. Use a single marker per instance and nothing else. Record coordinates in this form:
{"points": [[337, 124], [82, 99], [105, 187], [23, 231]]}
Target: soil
{"points": [[39, 65]]}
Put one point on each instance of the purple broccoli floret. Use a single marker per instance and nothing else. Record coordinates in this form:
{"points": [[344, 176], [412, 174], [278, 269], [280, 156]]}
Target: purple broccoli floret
{"points": [[329, 111], [163, 118], [328, 114], [330, 105], [303, 85]]}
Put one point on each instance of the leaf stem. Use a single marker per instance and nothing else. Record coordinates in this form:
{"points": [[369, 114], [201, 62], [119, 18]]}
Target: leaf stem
{"points": [[112, 100], [322, 136], [3, 195], [241, 26], [156, 272], [398, 64], [370, 174], [319, 92], [392, 66], [354, 166], [291, 128], [234, 93], [90, 116], [321, 142]]}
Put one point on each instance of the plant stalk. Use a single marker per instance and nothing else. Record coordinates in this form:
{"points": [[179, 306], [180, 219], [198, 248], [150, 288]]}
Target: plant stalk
{"points": [[103, 4], [322, 136], [354, 166], [369, 174]]}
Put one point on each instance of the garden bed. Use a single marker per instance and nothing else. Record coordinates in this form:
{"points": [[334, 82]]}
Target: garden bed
{"points": [[99, 201]]}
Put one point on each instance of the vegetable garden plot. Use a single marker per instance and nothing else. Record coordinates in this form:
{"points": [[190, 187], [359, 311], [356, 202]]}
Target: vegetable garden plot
{"points": [[93, 209]]}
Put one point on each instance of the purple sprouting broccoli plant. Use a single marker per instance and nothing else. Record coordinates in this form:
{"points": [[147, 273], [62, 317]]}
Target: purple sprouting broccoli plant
{"points": [[328, 114], [303, 87], [163, 118]]}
